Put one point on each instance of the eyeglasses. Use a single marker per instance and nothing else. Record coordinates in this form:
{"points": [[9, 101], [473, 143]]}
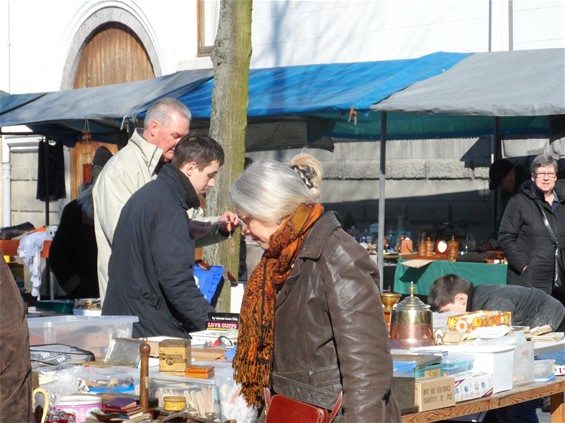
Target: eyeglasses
{"points": [[244, 226], [549, 175]]}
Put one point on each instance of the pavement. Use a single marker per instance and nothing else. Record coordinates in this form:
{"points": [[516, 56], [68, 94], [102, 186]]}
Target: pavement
{"points": [[543, 417]]}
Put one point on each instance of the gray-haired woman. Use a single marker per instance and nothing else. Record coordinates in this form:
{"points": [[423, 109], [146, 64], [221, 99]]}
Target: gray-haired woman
{"points": [[523, 236], [311, 321]]}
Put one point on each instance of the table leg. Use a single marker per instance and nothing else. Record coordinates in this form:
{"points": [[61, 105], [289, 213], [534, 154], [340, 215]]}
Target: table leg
{"points": [[557, 408]]}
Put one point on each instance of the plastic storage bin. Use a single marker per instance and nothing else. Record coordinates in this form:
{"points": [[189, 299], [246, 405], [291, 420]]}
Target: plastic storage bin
{"points": [[543, 370], [404, 368], [110, 379], [199, 393], [457, 363], [497, 361], [91, 333]]}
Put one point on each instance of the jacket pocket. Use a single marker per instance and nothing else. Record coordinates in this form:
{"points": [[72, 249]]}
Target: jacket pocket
{"points": [[320, 396], [150, 300]]}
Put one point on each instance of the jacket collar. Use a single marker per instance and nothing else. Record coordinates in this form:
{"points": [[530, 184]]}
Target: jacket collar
{"points": [[530, 189], [470, 296], [172, 175], [150, 152], [321, 231]]}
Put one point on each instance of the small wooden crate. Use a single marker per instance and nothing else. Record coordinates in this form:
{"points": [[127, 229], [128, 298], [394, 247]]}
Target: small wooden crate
{"points": [[174, 356]]}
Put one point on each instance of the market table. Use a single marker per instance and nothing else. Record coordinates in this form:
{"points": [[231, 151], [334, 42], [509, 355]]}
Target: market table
{"points": [[554, 389], [548, 347], [423, 277], [9, 247]]}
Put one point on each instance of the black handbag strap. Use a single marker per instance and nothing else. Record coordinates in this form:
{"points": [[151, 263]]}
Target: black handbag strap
{"points": [[548, 226]]}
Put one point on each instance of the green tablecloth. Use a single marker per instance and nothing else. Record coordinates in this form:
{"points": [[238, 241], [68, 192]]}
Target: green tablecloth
{"points": [[477, 273]]}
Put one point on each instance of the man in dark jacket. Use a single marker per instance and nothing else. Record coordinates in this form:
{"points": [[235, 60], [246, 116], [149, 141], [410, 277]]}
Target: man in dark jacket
{"points": [[152, 262], [529, 306]]}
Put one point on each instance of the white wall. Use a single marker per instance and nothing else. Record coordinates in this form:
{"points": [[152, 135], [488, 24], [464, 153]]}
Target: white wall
{"points": [[36, 35]]}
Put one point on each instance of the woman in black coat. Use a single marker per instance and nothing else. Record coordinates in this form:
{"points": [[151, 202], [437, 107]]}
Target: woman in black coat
{"points": [[73, 252], [523, 237]]}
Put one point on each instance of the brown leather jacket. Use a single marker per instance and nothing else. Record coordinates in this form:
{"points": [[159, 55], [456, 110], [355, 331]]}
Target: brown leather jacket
{"points": [[330, 333], [15, 366]]}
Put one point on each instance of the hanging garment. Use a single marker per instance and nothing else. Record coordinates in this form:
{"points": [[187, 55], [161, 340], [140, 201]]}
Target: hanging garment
{"points": [[30, 251], [55, 177]]}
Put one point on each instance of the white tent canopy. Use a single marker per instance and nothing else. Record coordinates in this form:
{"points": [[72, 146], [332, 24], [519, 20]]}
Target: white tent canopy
{"points": [[510, 83]]}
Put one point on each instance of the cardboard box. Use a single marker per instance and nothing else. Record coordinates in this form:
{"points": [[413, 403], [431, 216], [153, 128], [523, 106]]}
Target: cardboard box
{"points": [[468, 322], [210, 337], [497, 361], [471, 385], [434, 392]]}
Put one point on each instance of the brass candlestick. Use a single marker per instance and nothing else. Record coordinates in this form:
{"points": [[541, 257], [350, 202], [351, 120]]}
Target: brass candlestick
{"points": [[389, 299]]}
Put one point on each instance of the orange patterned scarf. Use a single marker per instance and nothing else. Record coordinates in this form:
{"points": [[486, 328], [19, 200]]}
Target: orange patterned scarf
{"points": [[253, 358]]}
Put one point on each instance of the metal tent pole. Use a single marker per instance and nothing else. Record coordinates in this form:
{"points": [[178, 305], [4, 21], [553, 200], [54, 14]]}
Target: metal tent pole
{"points": [[382, 175], [50, 281]]}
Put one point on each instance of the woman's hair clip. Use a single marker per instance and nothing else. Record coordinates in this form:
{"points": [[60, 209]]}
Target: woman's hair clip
{"points": [[305, 178]]}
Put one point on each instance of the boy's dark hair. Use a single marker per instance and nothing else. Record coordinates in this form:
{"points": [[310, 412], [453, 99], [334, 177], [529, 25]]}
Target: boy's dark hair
{"points": [[445, 288], [197, 148]]}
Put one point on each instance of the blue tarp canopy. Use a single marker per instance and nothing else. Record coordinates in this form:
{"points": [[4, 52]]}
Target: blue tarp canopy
{"points": [[445, 95], [329, 100], [317, 90], [10, 102], [288, 106], [62, 115]]}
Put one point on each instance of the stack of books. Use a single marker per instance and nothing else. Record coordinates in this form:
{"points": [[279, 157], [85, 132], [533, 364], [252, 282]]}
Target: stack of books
{"points": [[124, 408]]}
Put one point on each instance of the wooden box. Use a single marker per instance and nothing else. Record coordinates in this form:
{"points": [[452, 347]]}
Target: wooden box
{"points": [[403, 389], [174, 356]]}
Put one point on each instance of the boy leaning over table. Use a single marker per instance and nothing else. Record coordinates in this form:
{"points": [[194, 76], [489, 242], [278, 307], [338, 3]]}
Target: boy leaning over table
{"points": [[529, 307]]}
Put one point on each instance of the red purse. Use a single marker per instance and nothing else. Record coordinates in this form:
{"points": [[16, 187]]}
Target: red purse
{"points": [[281, 409]]}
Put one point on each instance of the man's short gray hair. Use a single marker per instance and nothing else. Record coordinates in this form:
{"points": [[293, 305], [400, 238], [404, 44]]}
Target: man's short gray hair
{"points": [[162, 110]]}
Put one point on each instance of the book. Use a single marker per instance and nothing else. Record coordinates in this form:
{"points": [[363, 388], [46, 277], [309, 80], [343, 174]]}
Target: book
{"points": [[138, 418], [128, 413], [132, 416], [121, 404]]}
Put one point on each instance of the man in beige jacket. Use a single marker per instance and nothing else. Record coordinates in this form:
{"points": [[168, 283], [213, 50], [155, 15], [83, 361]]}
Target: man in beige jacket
{"points": [[166, 122]]}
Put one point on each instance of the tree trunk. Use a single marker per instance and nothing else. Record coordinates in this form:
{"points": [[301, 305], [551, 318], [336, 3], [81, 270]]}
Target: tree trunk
{"points": [[231, 56]]}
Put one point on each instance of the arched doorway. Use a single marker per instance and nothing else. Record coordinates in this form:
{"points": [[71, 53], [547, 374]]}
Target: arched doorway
{"points": [[113, 54]]}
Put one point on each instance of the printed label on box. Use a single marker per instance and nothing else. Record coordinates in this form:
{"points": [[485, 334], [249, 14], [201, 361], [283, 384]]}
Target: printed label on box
{"points": [[470, 385], [435, 392]]}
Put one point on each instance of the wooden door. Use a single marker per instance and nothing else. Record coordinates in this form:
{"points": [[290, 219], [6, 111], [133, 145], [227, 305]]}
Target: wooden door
{"points": [[114, 54]]}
